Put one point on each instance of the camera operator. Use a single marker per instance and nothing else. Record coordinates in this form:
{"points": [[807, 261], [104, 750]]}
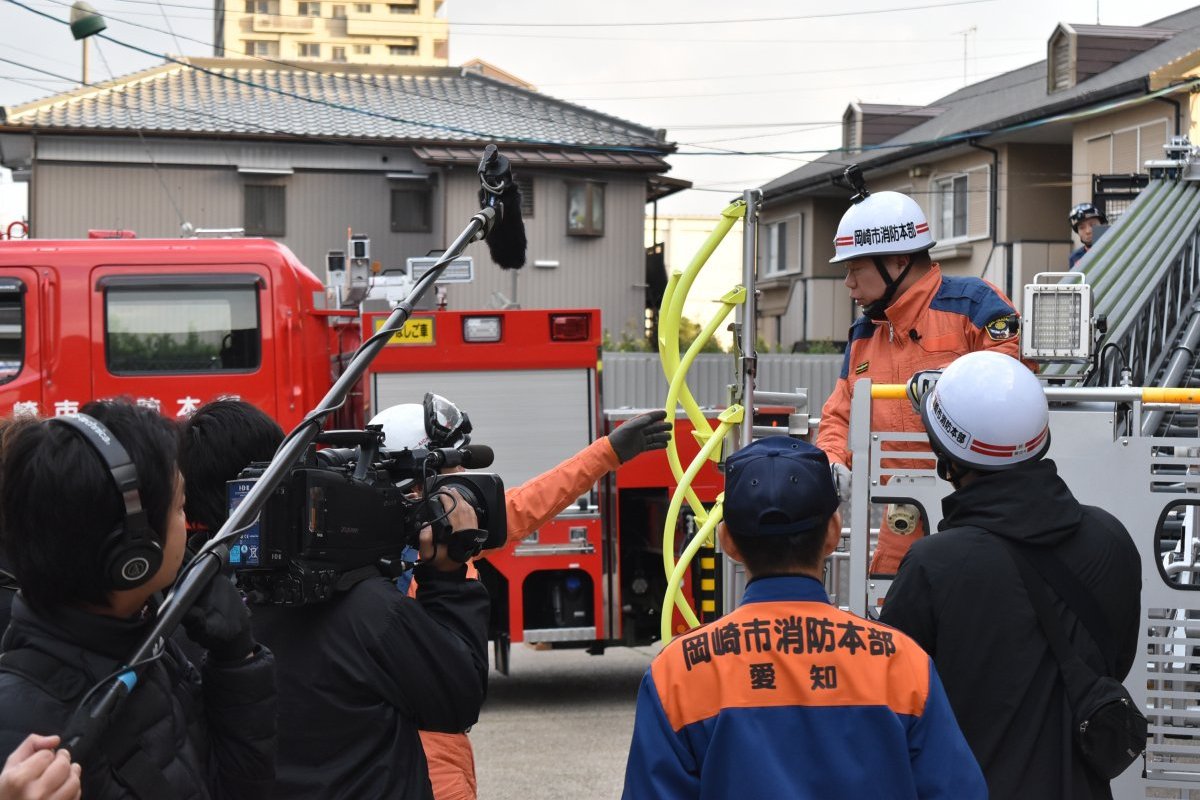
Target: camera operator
{"points": [[361, 673], [437, 422], [94, 530]]}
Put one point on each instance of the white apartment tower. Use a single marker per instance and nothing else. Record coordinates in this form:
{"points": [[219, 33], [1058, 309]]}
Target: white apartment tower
{"points": [[399, 32]]}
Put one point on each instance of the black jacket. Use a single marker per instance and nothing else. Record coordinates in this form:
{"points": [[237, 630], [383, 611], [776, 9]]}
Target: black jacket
{"points": [[8, 590], [361, 674], [959, 595], [210, 738]]}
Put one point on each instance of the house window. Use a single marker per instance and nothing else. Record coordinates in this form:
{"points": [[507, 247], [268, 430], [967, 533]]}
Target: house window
{"points": [[402, 49], [950, 198], [339, 12], [339, 54], [398, 8], [777, 234], [259, 48], [258, 7], [526, 187], [309, 9], [264, 210], [182, 329], [310, 50], [362, 8], [585, 208], [362, 49], [412, 208]]}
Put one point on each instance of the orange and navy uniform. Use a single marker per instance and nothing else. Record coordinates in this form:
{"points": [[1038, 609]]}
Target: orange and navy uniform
{"points": [[529, 506], [938, 319], [788, 696]]}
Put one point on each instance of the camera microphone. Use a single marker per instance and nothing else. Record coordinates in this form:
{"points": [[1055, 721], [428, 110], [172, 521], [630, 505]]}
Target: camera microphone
{"points": [[506, 240], [472, 456]]}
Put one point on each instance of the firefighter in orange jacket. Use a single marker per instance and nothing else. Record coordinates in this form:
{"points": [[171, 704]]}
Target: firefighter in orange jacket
{"points": [[438, 423], [914, 318]]}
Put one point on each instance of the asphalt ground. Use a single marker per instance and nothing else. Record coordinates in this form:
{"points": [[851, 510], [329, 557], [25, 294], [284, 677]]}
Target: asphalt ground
{"points": [[558, 725]]}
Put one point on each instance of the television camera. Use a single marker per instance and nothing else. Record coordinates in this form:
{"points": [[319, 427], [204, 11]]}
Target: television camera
{"points": [[351, 511]]}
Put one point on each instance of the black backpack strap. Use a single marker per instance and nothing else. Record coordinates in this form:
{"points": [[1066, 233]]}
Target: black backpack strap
{"points": [[1078, 598], [1078, 677]]}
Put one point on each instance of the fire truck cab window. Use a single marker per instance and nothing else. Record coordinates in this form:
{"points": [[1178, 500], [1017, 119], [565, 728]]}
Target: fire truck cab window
{"points": [[182, 330], [12, 329]]}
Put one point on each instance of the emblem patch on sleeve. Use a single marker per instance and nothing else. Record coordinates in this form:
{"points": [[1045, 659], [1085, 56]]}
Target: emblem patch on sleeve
{"points": [[1003, 328], [861, 368]]}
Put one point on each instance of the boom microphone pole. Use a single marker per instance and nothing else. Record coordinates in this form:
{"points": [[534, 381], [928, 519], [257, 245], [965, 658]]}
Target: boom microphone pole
{"points": [[90, 721]]}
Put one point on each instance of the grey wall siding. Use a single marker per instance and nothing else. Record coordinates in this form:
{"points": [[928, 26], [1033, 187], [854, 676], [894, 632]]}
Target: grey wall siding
{"points": [[73, 197], [605, 272], [321, 205], [635, 380]]}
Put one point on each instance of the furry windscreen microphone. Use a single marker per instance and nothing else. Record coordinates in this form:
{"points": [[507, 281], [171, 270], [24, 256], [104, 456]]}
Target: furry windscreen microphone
{"points": [[506, 240]]}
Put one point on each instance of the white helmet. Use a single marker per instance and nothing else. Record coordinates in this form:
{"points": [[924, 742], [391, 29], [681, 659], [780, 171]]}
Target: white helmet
{"points": [[987, 412], [881, 224], [436, 422]]}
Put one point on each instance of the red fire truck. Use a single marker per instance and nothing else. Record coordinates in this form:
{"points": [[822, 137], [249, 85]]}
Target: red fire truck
{"points": [[176, 323]]}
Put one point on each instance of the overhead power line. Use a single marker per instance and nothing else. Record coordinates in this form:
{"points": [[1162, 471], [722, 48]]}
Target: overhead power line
{"points": [[654, 24], [287, 65], [688, 79], [743, 76], [482, 135]]}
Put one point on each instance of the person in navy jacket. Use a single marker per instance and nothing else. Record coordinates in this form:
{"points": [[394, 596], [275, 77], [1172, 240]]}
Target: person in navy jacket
{"points": [[788, 696]]}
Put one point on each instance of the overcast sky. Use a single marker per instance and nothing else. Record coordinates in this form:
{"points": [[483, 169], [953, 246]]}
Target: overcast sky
{"points": [[764, 75]]}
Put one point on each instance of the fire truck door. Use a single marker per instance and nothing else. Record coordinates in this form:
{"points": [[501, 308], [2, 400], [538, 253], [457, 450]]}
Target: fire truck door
{"points": [[21, 330]]}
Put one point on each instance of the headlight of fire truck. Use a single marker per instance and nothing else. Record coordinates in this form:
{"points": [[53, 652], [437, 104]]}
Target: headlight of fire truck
{"points": [[1057, 323]]}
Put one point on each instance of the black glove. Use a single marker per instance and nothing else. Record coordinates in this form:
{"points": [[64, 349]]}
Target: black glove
{"points": [[220, 622], [644, 432]]}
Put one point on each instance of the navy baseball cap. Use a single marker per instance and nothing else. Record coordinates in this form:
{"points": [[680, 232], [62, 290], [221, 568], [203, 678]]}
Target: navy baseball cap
{"points": [[778, 486]]}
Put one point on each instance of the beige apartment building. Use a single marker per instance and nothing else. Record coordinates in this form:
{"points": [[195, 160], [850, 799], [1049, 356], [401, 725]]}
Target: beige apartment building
{"points": [[391, 32]]}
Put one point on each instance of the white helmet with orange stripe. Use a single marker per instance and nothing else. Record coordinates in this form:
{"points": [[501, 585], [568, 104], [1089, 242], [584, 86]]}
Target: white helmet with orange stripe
{"points": [[987, 412], [881, 224]]}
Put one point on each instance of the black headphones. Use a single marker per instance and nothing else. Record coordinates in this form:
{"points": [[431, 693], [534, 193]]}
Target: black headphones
{"points": [[131, 553]]}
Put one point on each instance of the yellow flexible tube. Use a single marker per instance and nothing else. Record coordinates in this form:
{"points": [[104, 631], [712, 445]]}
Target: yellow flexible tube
{"points": [[729, 418], [679, 284], [675, 582], [671, 314], [730, 301], [675, 370]]}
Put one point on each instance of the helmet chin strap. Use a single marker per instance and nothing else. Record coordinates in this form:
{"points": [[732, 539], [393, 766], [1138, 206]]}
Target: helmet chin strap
{"points": [[877, 309], [945, 469]]}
